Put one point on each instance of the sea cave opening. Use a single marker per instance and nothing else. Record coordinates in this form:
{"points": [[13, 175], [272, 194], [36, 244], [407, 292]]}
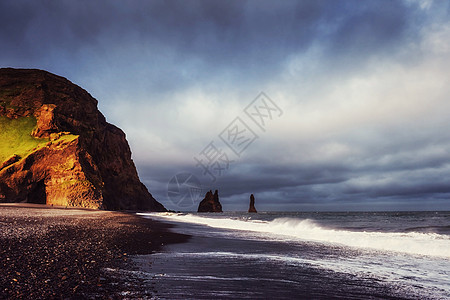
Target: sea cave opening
{"points": [[38, 194]]}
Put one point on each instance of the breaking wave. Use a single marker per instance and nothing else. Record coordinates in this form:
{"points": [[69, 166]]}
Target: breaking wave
{"points": [[417, 243]]}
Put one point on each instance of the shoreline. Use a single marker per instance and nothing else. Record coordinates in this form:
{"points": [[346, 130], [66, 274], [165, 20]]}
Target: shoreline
{"points": [[58, 252], [229, 262]]}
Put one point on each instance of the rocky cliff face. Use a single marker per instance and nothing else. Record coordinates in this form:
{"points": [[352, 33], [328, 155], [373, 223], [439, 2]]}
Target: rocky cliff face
{"points": [[73, 156], [252, 208], [210, 203]]}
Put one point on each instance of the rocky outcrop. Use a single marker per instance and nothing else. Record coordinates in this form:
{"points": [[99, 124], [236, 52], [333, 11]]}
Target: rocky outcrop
{"points": [[80, 159], [252, 208], [210, 203]]}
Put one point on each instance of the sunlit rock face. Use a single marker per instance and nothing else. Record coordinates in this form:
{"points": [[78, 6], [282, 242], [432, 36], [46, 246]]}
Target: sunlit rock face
{"points": [[57, 148]]}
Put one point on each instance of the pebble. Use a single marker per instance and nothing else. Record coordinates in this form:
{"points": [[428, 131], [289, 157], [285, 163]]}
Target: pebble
{"points": [[63, 253]]}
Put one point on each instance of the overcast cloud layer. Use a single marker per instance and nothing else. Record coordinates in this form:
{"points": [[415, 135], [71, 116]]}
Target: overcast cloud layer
{"points": [[363, 87]]}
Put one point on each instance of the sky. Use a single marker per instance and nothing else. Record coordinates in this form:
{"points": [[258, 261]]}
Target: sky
{"points": [[309, 105]]}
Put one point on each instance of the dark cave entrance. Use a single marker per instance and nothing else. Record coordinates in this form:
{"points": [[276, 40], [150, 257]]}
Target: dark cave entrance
{"points": [[38, 195]]}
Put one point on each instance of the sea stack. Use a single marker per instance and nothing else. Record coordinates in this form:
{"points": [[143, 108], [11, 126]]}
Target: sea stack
{"points": [[210, 203], [57, 148], [252, 208]]}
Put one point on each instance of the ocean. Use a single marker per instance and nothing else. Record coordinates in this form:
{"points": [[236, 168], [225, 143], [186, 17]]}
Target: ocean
{"points": [[291, 255]]}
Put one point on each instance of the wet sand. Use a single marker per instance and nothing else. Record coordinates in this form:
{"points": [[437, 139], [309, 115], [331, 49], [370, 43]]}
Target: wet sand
{"points": [[48, 252]]}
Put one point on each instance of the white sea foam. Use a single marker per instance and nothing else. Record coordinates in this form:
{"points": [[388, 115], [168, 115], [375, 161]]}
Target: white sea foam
{"points": [[430, 244]]}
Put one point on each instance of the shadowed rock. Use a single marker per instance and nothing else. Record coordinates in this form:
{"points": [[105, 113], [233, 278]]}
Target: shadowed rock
{"points": [[252, 208], [73, 156], [210, 203], [12, 159]]}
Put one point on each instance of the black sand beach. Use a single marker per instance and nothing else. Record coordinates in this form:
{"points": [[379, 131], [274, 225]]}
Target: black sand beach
{"points": [[48, 252]]}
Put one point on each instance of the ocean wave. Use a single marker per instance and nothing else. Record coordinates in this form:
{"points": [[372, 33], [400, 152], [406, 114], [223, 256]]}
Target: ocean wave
{"points": [[418, 243]]}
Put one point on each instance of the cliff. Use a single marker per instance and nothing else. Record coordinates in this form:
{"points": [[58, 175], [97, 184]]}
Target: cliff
{"points": [[210, 203], [57, 148], [252, 208]]}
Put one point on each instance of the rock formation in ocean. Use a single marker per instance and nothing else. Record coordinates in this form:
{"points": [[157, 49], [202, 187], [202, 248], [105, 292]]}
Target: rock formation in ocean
{"points": [[210, 203], [57, 148], [252, 208]]}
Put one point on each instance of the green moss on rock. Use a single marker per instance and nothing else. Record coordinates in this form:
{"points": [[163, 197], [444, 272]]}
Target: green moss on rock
{"points": [[15, 137]]}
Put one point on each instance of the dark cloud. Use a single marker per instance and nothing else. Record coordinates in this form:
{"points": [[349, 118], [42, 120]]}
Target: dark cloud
{"points": [[400, 180], [375, 25], [250, 36]]}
